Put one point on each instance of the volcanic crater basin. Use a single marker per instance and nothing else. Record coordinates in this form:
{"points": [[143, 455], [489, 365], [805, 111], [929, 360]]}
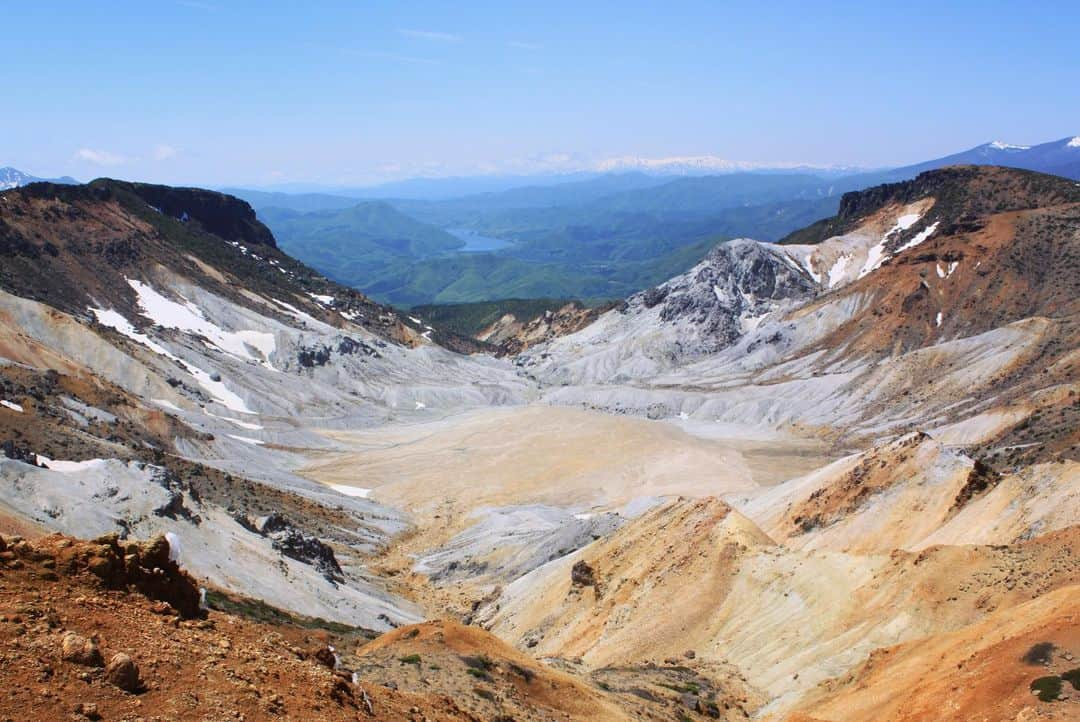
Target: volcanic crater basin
{"points": [[453, 473]]}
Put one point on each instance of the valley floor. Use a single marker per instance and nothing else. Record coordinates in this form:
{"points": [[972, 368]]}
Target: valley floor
{"points": [[579, 459], [499, 491]]}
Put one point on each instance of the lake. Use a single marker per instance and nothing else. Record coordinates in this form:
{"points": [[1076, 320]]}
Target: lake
{"points": [[475, 242]]}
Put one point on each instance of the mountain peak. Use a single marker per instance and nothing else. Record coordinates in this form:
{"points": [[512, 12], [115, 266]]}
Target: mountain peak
{"points": [[15, 178]]}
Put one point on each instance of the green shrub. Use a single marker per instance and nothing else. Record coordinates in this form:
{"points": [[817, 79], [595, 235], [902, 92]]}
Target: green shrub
{"points": [[411, 659], [1048, 688], [1072, 677]]}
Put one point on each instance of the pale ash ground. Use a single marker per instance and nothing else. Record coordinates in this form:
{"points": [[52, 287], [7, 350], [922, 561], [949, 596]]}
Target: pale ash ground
{"points": [[585, 461]]}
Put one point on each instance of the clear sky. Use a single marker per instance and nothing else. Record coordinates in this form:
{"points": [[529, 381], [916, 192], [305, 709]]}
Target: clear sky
{"points": [[220, 92]]}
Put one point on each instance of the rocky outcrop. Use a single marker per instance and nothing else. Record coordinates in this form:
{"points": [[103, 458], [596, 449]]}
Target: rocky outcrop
{"points": [[712, 305], [700, 312], [737, 280], [144, 567], [961, 191], [582, 575], [14, 450], [295, 544], [511, 335], [223, 215]]}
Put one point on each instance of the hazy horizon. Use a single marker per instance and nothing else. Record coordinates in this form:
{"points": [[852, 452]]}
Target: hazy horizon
{"points": [[243, 94]]}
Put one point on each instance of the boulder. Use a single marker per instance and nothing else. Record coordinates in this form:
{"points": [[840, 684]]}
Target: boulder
{"points": [[582, 575], [80, 650], [122, 672]]}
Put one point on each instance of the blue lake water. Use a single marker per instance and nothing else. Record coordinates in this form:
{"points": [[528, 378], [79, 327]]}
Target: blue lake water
{"points": [[475, 242]]}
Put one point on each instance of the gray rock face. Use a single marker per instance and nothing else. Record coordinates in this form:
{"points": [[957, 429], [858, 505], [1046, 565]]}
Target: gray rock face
{"points": [[737, 280], [508, 542], [694, 315], [268, 559]]}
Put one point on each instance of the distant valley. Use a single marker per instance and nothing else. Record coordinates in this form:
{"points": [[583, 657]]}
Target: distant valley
{"points": [[594, 239]]}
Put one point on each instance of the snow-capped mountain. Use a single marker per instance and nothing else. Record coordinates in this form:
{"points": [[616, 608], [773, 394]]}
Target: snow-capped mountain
{"points": [[1057, 157], [15, 178], [701, 165]]}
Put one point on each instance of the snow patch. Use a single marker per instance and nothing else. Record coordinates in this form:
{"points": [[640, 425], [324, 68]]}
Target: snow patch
{"points": [[919, 237], [11, 405], [939, 317], [1074, 143], [216, 389], [68, 467], [219, 391], [945, 273], [296, 312], [357, 491], [836, 273], [174, 546], [874, 258], [246, 439], [166, 404], [189, 318], [876, 255]]}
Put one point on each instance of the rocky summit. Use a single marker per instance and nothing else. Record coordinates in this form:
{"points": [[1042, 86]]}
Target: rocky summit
{"points": [[833, 477]]}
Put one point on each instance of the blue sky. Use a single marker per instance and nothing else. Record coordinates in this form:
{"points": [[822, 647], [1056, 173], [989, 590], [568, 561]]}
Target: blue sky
{"points": [[220, 92]]}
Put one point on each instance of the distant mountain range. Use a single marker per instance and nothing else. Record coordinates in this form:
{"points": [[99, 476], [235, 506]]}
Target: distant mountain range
{"points": [[588, 235], [14, 178], [1059, 157], [592, 237]]}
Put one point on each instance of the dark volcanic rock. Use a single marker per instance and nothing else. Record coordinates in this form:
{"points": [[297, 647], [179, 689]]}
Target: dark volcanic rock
{"points": [[582, 575], [223, 215], [297, 545], [13, 450]]}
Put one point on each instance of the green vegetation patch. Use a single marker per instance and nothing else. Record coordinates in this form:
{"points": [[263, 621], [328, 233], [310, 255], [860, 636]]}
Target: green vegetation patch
{"points": [[1048, 688], [260, 611]]}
